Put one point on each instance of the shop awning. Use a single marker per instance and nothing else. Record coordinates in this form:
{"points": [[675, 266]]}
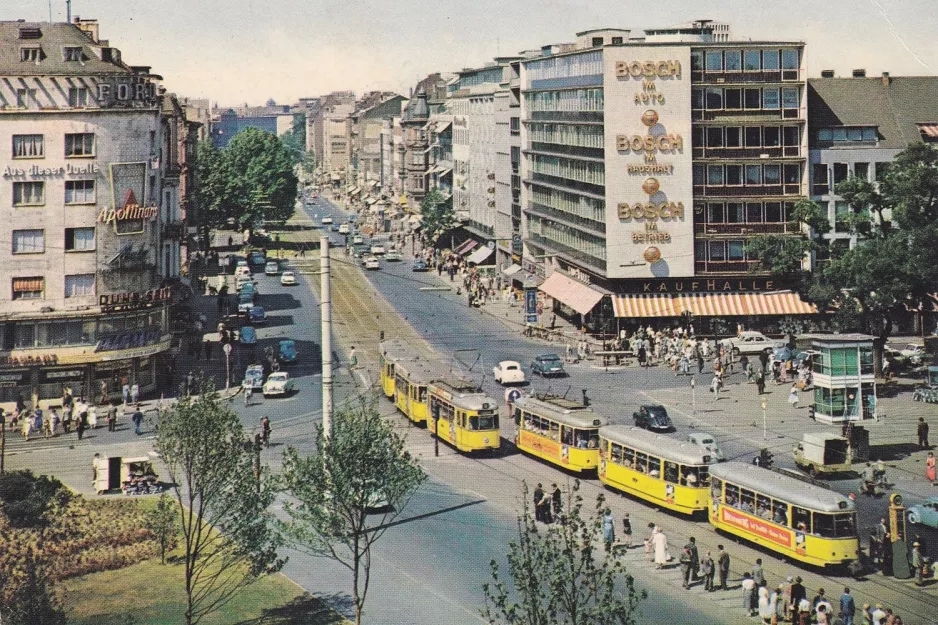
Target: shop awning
{"points": [[711, 304], [355, 191], [441, 126], [480, 254], [465, 247], [443, 171], [370, 183], [576, 295], [511, 269], [929, 131]]}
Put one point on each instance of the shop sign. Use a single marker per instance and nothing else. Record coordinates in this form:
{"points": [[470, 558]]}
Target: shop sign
{"points": [[754, 285], [648, 69], [28, 361], [12, 379], [134, 299], [129, 340], [131, 210], [35, 171], [62, 375]]}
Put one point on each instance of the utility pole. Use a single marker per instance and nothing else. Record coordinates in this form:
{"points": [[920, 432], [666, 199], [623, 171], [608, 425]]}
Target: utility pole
{"points": [[326, 315]]}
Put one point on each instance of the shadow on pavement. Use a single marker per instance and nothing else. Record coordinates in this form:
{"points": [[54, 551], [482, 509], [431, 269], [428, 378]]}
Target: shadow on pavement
{"points": [[305, 610], [272, 302], [893, 451]]}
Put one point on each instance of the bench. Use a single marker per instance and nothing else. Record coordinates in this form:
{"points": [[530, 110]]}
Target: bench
{"points": [[618, 355]]}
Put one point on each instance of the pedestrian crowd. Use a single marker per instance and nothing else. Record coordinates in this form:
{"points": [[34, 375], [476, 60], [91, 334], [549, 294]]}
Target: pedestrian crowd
{"points": [[77, 414]]}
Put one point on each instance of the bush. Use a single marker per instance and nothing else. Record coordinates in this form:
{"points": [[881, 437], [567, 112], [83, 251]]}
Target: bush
{"points": [[26, 499]]}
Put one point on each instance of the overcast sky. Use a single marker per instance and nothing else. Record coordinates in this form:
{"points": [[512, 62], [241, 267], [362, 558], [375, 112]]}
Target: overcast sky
{"points": [[241, 51]]}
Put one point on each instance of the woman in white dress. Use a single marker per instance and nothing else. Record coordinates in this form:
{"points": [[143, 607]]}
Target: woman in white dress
{"points": [[660, 542]]}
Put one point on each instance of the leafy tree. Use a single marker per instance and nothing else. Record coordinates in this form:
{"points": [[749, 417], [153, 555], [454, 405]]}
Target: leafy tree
{"points": [[561, 573], [783, 255], [260, 169], [212, 189], [295, 139], [348, 492], [163, 520], [227, 529], [437, 215]]}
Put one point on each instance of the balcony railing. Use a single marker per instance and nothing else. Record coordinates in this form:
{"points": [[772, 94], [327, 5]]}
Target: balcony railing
{"points": [[747, 229], [576, 221], [763, 152], [748, 116], [745, 77]]}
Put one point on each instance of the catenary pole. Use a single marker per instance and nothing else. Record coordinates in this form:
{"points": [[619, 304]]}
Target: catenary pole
{"points": [[326, 314]]}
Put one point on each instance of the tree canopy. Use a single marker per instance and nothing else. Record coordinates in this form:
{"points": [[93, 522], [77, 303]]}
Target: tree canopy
{"points": [[436, 215]]}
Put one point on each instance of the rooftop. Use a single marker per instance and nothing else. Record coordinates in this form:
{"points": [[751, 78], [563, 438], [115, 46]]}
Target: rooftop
{"points": [[55, 40]]}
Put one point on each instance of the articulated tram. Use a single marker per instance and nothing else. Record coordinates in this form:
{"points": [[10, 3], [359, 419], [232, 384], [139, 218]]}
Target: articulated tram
{"points": [[656, 468], [411, 381], [391, 353], [558, 430], [798, 519], [463, 416]]}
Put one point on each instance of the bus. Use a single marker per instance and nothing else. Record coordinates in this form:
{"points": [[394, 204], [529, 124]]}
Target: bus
{"points": [[791, 516], [411, 379], [392, 352], [463, 416], [558, 430], [659, 469]]}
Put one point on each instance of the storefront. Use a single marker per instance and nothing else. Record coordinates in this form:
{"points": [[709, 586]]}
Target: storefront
{"points": [[574, 300]]}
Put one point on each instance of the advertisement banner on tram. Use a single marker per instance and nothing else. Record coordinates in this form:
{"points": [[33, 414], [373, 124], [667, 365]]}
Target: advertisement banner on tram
{"points": [[762, 529]]}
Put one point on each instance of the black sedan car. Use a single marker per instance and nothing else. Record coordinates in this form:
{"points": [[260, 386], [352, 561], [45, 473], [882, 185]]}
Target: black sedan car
{"points": [[654, 418]]}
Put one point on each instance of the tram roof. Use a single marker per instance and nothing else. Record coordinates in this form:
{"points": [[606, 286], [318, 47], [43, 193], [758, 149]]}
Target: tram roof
{"points": [[664, 446], [416, 372], [786, 487], [577, 415], [396, 350], [464, 394]]}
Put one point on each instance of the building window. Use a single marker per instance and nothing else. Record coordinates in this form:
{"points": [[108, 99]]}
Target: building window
{"points": [[752, 60], [29, 241], [772, 174], [841, 216], [714, 99], [753, 137], [734, 250], [24, 97], [770, 61], [29, 193], [734, 175], [773, 212], [70, 53], [790, 136], [717, 250], [31, 54], [79, 240], [29, 288], [790, 98], [79, 285], [790, 59], [753, 212], [732, 60], [696, 60], [28, 146], [819, 179], [734, 137], [735, 213], [715, 214], [861, 171], [714, 61], [840, 173], [597, 42], [79, 192], [78, 97], [733, 99], [792, 173], [752, 98], [617, 41], [79, 144], [770, 99], [714, 137], [715, 175], [754, 175]]}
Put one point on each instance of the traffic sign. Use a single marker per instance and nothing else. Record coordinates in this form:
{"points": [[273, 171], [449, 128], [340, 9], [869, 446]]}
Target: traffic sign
{"points": [[227, 348], [512, 395]]}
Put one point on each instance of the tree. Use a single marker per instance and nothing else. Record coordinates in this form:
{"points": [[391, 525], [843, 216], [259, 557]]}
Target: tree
{"points": [[212, 189], [348, 492], [28, 501], [436, 215], [295, 139], [227, 529], [561, 574], [163, 521], [260, 168], [784, 255]]}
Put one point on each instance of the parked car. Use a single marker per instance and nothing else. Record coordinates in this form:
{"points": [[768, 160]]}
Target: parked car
{"points": [[915, 353], [288, 278], [248, 335], [372, 263], [272, 268], [358, 240], [240, 281], [420, 265], [508, 372], [749, 343], [702, 439], [245, 301], [547, 365], [344, 229], [653, 417], [253, 377], [393, 256], [377, 248], [287, 353], [278, 383], [257, 259], [257, 315], [925, 513], [327, 221]]}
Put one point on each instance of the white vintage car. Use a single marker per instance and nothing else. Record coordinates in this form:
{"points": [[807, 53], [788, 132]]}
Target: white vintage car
{"points": [[278, 383], [508, 372]]}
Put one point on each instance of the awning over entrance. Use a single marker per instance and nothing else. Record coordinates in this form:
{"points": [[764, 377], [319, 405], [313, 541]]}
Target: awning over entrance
{"points": [[511, 269], [465, 247], [480, 255], [711, 305], [576, 295]]}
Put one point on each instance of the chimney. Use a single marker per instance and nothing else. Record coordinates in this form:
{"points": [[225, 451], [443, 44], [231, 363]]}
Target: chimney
{"points": [[827, 73], [859, 73], [89, 27], [886, 79]]}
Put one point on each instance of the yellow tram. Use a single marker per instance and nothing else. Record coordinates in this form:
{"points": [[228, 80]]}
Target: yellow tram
{"points": [[788, 515], [411, 381], [391, 353], [463, 416], [558, 430], [656, 468]]}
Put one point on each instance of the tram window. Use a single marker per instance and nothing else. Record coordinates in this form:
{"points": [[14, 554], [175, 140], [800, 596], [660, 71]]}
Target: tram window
{"points": [[584, 439], [566, 435], [690, 476], [517, 416], [764, 507], [780, 513], [671, 473], [716, 489], [747, 500], [484, 421], [654, 466], [616, 453], [555, 431], [629, 455], [845, 525], [594, 439], [801, 519], [422, 396], [641, 462], [824, 525], [703, 475], [732, 495]]}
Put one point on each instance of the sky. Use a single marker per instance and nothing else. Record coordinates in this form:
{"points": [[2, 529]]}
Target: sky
{"points": [[246, 51]]}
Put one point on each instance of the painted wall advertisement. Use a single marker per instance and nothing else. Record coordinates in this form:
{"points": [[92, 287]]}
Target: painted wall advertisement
{"points": [[649, 169]]}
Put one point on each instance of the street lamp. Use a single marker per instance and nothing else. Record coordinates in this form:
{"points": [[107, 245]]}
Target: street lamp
{"points": [[765, 434], [227, 349], [693, 394]]}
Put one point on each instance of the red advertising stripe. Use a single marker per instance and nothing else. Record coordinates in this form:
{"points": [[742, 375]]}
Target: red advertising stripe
{"points": [[753, 525], [536, 443]]}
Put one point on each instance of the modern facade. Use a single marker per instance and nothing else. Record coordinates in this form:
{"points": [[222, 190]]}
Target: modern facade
{"points": [[857, 127], [365, 129], [331, 135], [90, 195], [648, 163], [276, 120]]}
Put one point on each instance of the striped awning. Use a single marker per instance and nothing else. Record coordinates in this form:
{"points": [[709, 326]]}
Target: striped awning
{"points": [[929, 131], [465, 247], [26, 285], [711, 304], [576, 295]]}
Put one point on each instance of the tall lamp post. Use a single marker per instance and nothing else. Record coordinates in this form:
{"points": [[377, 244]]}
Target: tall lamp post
{"points": [[227, 349], [693, 394], [765, 434]]}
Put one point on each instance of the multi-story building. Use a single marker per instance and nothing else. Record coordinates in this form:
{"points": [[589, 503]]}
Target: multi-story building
{"points": [[648, 164], [331, 135], [365, 128], [90, 200], [857, 126], [274, 119]]}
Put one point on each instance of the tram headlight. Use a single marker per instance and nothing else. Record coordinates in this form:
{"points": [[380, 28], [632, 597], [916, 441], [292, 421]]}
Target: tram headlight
{"points": [[485, 440]]}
